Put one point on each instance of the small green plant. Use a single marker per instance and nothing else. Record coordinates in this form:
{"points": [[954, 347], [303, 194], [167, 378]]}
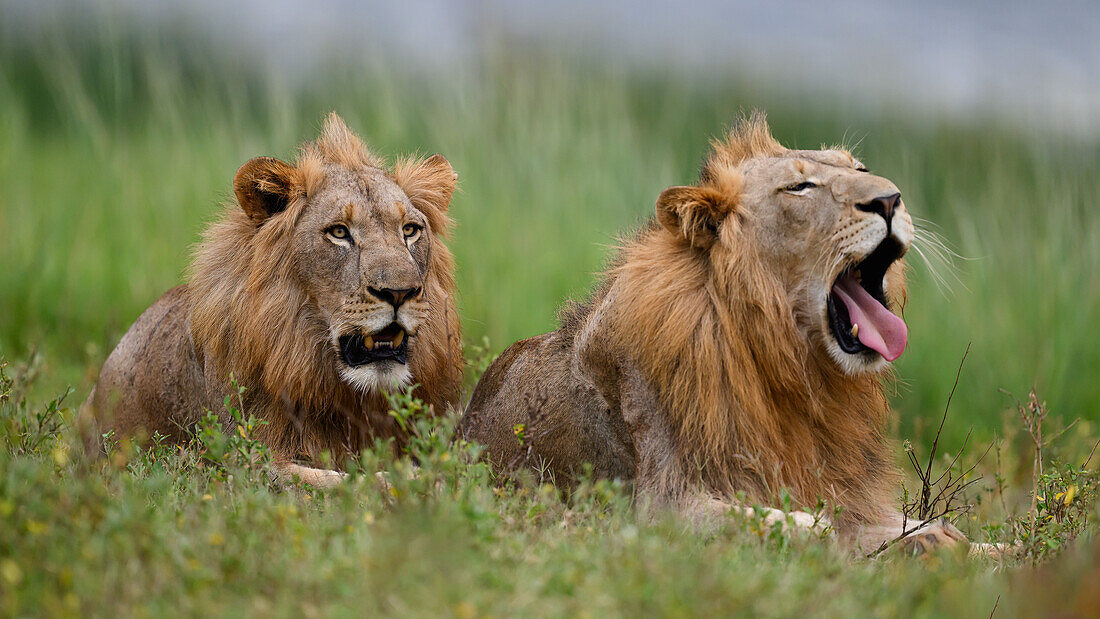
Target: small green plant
{"points": [[419, 422], [479, 359], [238, 450], [26, 429], [1063, 495]]}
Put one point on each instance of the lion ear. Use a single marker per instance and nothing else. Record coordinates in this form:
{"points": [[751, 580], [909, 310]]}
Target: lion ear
{"points": [[263, 186], [694, 213], [430, 184]]}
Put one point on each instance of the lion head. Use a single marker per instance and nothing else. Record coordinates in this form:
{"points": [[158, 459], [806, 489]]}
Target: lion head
{"points": [[329, 282], [828, 232]]}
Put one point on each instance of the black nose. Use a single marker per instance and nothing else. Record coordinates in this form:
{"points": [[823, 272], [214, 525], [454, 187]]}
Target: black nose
{"points": [[883, 205], [394, 296]]}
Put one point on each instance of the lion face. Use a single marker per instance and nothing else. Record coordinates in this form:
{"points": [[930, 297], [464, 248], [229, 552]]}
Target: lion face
{"points": [[356, 241], [825, 231], [362, 251], [835, 234]]}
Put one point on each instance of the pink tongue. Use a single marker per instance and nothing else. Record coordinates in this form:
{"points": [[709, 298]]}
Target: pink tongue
{"points": [[879, 329]]}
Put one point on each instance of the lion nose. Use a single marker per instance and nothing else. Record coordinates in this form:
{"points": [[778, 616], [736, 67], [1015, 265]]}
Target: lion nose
{"points": [[883, 205], [394, 296]]}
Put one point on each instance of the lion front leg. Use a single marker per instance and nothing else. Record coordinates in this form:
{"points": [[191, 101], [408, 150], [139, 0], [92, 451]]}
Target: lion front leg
{"points": [[792, 522], [662, 484], [920, 537], [815, 524]]}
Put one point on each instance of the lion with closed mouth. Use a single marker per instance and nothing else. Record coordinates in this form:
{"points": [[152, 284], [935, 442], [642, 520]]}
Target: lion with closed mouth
{"points": [[737, 346], [326, 284]]}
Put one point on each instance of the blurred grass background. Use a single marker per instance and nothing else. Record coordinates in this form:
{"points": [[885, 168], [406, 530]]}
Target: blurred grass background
{"points": [[118, 144]]}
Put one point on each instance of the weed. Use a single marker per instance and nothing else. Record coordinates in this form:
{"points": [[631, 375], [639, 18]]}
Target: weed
{"points": [[26, 429], [238, 451], [1063, 495]]}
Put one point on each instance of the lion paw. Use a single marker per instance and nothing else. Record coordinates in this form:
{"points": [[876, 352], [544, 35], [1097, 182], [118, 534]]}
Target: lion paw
{"points": [[932, 536], [995, 551], [798, 521]]}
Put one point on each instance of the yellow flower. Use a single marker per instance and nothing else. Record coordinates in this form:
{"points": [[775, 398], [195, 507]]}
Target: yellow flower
{"points": [[1070, 492]]}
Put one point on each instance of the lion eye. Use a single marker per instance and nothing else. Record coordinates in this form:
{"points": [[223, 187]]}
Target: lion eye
{"points": [[410, 230], [339, 231], [800, 187]]}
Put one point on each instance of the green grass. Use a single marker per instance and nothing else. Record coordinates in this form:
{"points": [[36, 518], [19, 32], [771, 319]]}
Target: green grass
{"points": [[115, 152]]}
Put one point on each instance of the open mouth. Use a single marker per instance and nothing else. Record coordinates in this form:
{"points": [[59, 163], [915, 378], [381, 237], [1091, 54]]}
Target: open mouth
{"points": [[389, 344], [859, 314]]}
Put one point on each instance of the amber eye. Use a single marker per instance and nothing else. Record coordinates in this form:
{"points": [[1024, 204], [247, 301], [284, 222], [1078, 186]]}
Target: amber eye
{"points": [[339, 231], [410, 230]]}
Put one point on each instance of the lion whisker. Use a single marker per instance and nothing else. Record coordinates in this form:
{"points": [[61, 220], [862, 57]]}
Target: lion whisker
{"points": [[938, 257]]}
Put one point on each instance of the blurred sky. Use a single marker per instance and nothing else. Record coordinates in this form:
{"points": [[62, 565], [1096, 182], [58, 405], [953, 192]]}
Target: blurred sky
{"points": [[1035, 63]]}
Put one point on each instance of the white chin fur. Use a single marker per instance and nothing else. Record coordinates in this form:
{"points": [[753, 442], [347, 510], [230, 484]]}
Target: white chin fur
{"points": [[377, 376], [859, 363]]}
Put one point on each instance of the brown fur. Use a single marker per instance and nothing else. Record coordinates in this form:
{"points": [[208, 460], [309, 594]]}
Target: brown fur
{"points": [[249, 311], [701, 369]]}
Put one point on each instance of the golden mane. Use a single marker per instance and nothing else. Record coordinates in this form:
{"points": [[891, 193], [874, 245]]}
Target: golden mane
{"points": [[752, 407], [250, 319]]}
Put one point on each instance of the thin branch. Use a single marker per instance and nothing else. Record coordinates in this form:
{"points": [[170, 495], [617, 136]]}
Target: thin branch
{"points": [[926, 490], [1089, 459]]}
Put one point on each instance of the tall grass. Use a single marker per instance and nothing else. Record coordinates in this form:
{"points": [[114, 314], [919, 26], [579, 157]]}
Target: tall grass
{"points": [[116, 147]]}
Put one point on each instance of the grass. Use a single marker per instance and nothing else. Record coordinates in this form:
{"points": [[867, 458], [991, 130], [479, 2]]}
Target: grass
{"points": [[197, 530], [116, 147]]}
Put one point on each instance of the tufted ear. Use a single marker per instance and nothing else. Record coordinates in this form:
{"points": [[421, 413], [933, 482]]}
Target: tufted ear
{"points": [[430, 184], [263, 186], [694, 213]]}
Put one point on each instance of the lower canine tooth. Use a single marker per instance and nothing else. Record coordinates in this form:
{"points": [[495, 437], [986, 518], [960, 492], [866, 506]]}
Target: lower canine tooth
{"points": [[855, 330]]}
